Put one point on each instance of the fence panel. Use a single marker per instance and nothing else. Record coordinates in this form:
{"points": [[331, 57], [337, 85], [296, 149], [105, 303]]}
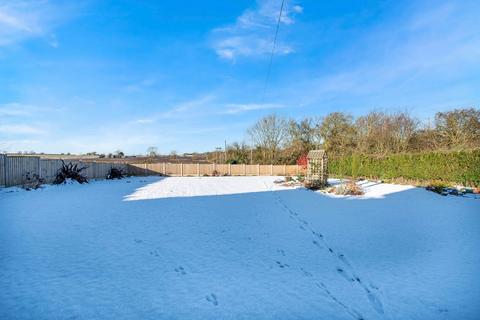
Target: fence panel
{"points": [[173, 169], [48, 169], [19, 170], [190, 169], [155, 168], [136, 169], [206, 169], [265, 170]]}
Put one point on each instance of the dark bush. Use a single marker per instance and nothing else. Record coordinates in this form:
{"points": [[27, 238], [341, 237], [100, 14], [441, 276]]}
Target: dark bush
{"points": [[70, 171], [115, 173]]}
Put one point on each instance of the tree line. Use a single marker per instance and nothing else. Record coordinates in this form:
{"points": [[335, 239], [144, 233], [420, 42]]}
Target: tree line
{"points": [[275, 139]]}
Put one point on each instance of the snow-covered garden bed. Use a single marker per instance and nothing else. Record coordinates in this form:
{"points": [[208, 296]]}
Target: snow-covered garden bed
{"points": [[236, 248]]}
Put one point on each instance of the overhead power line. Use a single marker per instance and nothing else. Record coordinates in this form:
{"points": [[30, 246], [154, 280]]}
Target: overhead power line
{"points": [[272, 53]]}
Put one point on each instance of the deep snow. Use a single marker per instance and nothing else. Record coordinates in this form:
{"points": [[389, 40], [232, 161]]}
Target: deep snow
{"points": [[236, 248]]}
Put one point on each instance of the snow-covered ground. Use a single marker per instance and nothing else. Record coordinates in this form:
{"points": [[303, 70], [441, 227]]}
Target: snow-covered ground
{"points": [[236, 248]]}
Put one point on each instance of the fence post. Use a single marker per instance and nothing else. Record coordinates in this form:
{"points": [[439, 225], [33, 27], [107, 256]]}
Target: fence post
{"points": [[145, 169], [271, 169], [39, 169], [164, 168], [5, 169], [229, 169], [181, 169], [244, 169], [258, 169], [214, 168], [284, 169], [296, 170]]}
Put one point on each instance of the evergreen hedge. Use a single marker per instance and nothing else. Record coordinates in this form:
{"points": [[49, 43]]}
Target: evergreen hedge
{"points": [[461, 167]]}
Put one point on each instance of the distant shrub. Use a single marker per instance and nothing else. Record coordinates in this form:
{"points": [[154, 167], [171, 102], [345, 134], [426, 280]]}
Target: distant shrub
{"points": [[447, 167], [115, 173], [70, 171]]}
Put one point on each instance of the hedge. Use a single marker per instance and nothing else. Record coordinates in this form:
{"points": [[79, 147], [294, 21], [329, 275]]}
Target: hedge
{"points": [[461, 167]]}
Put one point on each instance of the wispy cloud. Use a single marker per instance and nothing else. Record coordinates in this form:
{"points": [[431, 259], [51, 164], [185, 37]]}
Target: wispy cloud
{"points": [[252, 33], [16, 129], [234, 108], [185, 109], [140, 85], [426, 48], [23, 19]]}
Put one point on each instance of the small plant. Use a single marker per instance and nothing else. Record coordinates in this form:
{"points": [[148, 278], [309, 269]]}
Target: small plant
{"points": [[313, 185], [349, 189], [32, 181], [215, 173], [302, 161], [115, 173], [70, 171], [437, 188]]}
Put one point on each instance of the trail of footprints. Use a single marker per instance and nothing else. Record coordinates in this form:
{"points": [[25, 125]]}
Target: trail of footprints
{"points": [[180, 270], [344, 267]]}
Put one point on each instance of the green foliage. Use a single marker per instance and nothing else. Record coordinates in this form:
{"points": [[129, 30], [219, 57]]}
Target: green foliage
{"points": [[450, 167]]}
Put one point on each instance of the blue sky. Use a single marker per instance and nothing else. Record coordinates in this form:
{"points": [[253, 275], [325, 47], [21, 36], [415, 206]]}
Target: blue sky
{"points": [[79, 76]]}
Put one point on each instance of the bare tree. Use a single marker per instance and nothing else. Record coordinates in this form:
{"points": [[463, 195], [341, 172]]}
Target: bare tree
{"points": [[269, 133], [459, 128], [152, 151], [301, 139], [337, 133]]}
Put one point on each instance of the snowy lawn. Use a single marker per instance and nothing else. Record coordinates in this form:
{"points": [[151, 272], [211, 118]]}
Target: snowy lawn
{"points": [[236, 248]]}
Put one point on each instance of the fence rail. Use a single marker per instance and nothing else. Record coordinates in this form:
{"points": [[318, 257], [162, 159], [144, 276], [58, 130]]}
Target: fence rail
{"points": [[19, 170]]}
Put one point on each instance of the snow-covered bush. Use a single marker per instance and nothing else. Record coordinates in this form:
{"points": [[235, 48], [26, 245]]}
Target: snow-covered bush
{"points": [[70, 171], [349, 189]]}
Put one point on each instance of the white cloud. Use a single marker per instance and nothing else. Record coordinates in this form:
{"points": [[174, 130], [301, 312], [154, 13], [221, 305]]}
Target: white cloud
{"points": [[16, 129], [14, 110], [23, 19], [253, 32], [234, 108], [144, 121], [186, 109]]}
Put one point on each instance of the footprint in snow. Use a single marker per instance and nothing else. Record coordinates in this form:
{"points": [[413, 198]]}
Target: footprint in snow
{"points": [[155, 253], [282, 265], [180, 270], [212, 298], [315, 242], [138, 241], [375, 302], [342, 257], [306, 273], [344, 274]]}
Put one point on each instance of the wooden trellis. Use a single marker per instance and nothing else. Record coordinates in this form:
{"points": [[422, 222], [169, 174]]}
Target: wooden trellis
{"points": [[317, 168]]}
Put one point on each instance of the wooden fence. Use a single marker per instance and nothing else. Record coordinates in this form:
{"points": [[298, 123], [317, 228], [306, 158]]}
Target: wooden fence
{"points": [[211, 169], [18, 170]]}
